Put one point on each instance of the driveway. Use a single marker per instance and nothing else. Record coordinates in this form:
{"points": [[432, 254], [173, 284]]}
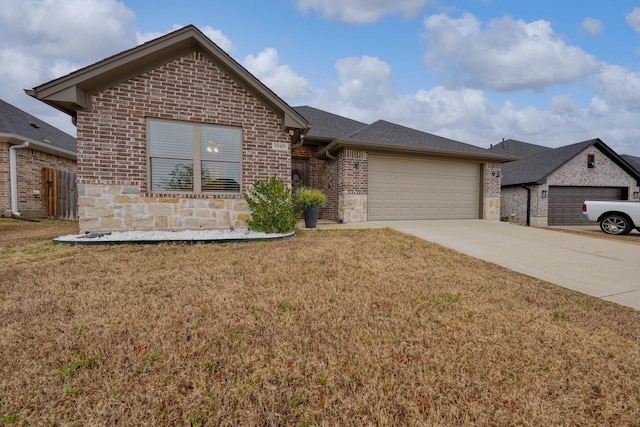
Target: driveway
{"points": [[603, 268]]}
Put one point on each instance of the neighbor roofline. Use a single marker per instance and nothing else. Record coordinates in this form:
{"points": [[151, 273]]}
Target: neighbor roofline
{"points": [[338, 145], [72, 93], [37, 145]]}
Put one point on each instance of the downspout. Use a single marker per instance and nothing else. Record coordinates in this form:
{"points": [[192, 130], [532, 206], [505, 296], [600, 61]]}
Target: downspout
{"points": [[332, 157], [528, 205], [299, 143], [13, 177]]}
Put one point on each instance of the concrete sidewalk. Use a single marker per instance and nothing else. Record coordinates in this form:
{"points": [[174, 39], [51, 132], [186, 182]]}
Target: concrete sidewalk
{"points": [[604, 268]]}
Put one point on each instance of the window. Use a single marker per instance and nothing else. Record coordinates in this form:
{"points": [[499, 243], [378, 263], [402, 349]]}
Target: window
{"points": [[194, 158], [591, 161]]}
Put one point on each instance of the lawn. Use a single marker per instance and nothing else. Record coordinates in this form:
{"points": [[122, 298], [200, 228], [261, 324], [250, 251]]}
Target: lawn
{"points": [[360, 327]]}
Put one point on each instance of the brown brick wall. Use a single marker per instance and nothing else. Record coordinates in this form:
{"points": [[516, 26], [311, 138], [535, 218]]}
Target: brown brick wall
{"points": [[112, 135], [354, 181], [29, 164], [327, 182]]}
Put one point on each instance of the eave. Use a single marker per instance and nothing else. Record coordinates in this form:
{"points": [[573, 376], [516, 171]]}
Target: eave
{"points": [[339, 145]]}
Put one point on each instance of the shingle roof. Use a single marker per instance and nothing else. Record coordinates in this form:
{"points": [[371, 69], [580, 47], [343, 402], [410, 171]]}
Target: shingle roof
{"points": [[633, 161], [535, 168], [14, 121], [512, 147], [386, 133], [327, 125]]}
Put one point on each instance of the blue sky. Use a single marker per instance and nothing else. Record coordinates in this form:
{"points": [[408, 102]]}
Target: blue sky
{"points": [[478, 71]]}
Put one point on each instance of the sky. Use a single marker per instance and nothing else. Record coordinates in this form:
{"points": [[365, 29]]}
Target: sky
{"points": [[546, 72]]}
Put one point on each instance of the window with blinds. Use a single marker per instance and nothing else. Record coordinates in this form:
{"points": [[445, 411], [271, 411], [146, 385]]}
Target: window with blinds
{"points": [[194, 158]]}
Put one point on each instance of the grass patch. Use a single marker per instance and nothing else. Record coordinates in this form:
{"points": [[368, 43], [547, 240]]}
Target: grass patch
{"points": [[334, 328]]}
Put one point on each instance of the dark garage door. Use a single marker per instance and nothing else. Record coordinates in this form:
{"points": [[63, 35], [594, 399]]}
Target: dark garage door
{"points": [[565, 203]]}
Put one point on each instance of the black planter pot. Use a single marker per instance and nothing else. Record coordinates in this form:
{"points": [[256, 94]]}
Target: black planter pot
{"points": [[311, 216]]}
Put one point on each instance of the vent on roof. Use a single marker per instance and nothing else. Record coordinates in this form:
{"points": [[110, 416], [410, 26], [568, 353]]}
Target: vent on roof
{"points": [[34, 125]]}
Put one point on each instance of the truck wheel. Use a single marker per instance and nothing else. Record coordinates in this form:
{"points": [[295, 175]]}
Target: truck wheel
{"points": [[615, 224]]}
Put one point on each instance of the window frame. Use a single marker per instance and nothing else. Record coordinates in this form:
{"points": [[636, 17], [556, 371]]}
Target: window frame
{"points": [[196, 158]]}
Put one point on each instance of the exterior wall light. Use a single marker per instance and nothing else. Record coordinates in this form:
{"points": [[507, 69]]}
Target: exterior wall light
{"points": [[357, 166], [544, 194]]}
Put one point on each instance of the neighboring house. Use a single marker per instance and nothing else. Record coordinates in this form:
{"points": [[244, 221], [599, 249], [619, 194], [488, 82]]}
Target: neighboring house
{"points": [[33, 154], [173, 133], [548, 186], [385, 171]]}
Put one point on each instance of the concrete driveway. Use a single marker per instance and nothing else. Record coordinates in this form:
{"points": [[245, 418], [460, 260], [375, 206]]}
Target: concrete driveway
{"points": [[604, 268]]}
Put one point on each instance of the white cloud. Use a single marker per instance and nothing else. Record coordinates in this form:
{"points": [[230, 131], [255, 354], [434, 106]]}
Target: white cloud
{"points": [[504, 55], [42, 40], [76, 29], [282, 79], [592, 26], [361, 11], [619, 86], [364, 81], [633, 19]]}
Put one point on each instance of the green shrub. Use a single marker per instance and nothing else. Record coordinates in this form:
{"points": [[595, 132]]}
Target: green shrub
{"points": [[310, 197], [272, 207]]}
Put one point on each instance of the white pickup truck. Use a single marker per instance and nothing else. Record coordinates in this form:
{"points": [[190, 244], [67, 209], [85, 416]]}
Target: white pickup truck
{"points": [[615, 217]]}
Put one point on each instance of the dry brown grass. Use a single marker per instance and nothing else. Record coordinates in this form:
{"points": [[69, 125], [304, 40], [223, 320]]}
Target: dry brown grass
{"points": [[368, 327]]}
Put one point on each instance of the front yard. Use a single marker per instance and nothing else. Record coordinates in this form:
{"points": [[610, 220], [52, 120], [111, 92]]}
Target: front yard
{"points": [[367, 327]]}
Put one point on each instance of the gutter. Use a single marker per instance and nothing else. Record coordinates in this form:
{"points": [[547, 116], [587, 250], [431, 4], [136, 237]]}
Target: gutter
{"points": [[13, 177], [370, 146], [41, 146]]}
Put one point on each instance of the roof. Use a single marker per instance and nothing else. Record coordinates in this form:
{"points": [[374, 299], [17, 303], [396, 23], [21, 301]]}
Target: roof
{"points": [[512, 147], [535, 168], [383, 135], [72, 93], [20, 125], [328, 126], [633, 161]]}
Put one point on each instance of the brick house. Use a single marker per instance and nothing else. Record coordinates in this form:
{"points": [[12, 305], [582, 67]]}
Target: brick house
{"points": [[173, 133], [547, 186], [27, 147], [385, 171]]}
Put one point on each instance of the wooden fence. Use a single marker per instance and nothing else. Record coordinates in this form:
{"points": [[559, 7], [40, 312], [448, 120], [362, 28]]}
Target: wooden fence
{"points": [[59, 194]]}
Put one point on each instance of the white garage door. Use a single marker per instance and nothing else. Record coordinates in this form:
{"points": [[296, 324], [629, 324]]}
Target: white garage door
{"points": [[409, 188]]}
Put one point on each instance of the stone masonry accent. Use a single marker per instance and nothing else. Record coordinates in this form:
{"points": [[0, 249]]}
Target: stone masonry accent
{"points": [[491, 194], [353, 170], [122, 207], [112, 147]]}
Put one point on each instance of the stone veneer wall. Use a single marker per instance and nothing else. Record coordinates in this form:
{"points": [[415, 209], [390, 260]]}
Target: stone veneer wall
{"points": [[29, 164], [112, 147], [353, 170], [491, 191]]}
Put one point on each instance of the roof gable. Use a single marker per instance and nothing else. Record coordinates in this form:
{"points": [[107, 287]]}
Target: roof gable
{"points": [[633, 161], [535, 168], [386, 136], [18, 124], [512, 147], [73, 92], [328, 126]]}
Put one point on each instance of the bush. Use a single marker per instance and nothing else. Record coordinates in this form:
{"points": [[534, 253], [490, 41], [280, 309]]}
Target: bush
{"points": [[310, 197], [272, 207]]}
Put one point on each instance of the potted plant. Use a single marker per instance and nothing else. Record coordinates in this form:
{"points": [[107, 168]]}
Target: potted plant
{"points": [[311, 201]]}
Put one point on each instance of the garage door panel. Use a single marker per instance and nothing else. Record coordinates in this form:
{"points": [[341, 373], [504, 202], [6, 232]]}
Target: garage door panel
{"points": [[409, 188], [565, 203]]}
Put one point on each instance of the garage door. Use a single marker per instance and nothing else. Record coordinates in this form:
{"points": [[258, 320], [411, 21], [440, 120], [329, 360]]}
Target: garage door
{"points": [[565, 203], [409, 188]]}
